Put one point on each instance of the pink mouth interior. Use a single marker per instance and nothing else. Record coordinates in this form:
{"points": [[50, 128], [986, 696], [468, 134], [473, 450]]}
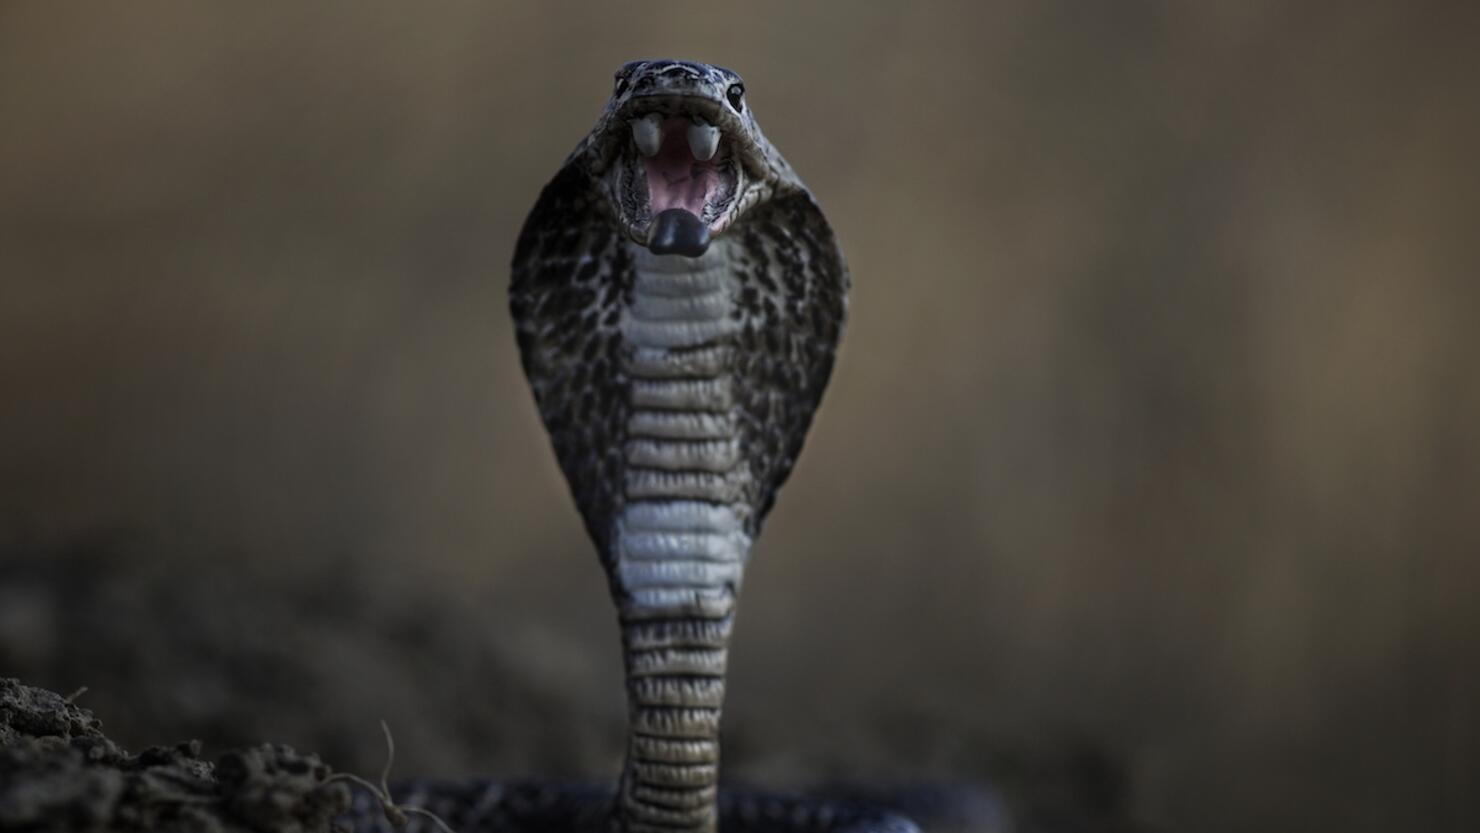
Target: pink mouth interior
{"points": [[675, 179]]}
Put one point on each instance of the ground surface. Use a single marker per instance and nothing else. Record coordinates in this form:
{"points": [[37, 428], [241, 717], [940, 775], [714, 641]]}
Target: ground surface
{"points": [[173, 651], [59, 772]]}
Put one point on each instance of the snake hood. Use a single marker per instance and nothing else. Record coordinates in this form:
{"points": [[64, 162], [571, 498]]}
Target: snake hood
{"points": [[617, 210], [679, 156]]}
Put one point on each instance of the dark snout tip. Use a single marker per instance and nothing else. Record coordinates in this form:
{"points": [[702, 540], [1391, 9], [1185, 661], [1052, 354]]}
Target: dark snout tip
{"points": [[678, 232]]}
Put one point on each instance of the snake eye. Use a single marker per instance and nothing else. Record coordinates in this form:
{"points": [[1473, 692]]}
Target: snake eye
{"points": [[735, 93], [621, 83]]}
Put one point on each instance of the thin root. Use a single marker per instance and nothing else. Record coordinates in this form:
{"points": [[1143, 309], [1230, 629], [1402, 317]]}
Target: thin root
{"points": [[395, 813]]}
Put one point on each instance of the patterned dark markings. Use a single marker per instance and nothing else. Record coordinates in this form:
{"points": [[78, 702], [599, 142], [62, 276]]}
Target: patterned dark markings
{"points": [[792, 307], [571, 277]]}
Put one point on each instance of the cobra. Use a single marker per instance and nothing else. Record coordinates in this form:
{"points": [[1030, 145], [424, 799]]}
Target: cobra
{"points": [[678, 300]]}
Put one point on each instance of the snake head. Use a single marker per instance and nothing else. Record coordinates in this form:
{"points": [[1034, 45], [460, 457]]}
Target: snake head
{"points": [[678, 155]]}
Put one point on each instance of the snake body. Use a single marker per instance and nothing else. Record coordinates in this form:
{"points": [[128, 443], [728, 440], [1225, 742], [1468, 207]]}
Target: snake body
{"points": [[678, 298], [480, 805]]}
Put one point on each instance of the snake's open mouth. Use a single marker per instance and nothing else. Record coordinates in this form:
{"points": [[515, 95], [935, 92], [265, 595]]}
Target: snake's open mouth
{"points": [[680, 180]]}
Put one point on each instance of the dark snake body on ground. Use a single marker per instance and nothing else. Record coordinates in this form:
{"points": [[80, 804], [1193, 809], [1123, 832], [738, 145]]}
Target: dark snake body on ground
{"points": [[480, 805]]}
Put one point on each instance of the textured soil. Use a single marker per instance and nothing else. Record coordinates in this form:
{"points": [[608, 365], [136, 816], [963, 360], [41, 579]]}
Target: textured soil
{"points": [[59, 772]]}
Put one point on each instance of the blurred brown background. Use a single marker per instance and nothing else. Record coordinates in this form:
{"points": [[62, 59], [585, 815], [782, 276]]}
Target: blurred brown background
{"points": [[1155, 431]]}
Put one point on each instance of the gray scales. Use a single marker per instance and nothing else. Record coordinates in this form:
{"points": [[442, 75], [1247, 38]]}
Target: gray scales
{"points": [[678, 298]]}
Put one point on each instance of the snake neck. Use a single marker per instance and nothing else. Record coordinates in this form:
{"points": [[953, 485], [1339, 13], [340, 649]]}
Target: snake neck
{"points": [[680, 542]]}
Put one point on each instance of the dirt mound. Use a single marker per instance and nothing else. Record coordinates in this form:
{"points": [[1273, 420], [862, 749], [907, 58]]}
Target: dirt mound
{"points": [[59, 772]]}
